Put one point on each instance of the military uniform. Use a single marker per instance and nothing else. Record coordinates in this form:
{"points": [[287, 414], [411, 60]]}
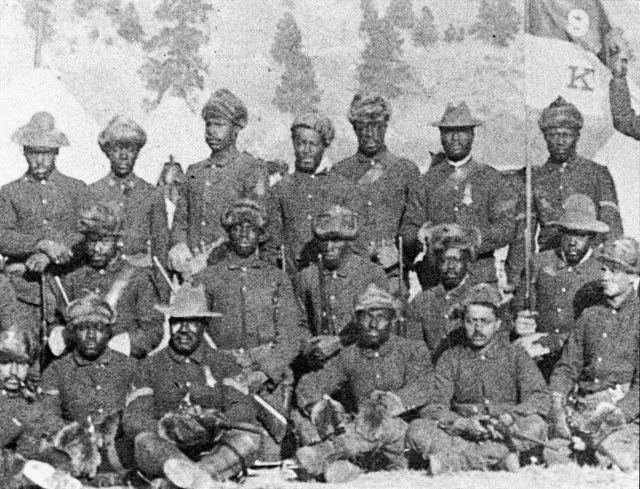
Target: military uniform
{"points": [[329, 300], [499, 379], [625, 119], [472, 195], [144, 214], [136, 313]]}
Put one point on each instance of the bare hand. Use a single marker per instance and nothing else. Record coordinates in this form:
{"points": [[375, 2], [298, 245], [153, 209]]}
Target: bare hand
{"points": [[526, 323], [531, 345], [387, 254], [38, 262], [59, 253]]}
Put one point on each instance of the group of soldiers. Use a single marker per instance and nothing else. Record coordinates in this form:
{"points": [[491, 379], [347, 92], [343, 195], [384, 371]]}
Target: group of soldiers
{"points": [[176, 335]]}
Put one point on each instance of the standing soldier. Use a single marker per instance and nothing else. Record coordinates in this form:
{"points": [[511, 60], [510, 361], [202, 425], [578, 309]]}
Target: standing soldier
{"points": [[564, 282], [145, 229], [139, 326], [297, 197], [432, 316], [38, 216], [383, 180], [458, 189], [489, 396], [210, 185], [261, 319], [565, 173], [598, 373]]}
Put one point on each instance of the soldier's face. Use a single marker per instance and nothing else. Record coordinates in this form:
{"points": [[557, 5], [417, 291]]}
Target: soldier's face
{"points": [[41, 161], [186, 334], [122, 158], [457, 142], [375, 326], [101, 250], [370, 136], [615, 283], [13, 374], [452, 264], [333, 251], [91, 339], [561, 142], [308, 148], [575, 245], [220, 134], [480, 324], [244, 239]]}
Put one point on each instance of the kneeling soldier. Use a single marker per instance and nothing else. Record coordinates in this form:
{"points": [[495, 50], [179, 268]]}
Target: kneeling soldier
{"points": [[189, 425], [386, 376], [488, 397]]}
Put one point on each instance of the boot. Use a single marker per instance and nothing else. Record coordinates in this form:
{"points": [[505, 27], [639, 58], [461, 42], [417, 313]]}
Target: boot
{"points": [[186, 474], [341, 471], [45, 476], [511, 462]]}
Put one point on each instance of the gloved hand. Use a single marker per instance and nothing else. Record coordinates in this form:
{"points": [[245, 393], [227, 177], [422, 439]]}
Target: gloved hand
{"points": [[38, 262], [201, 256], [183, 429], [121, 343], [526, 323], [470, 428], [531, 345], [387, 254], [59, 253], [390, 400], [323, 347], [328, 416], [558, 427], [179, 257], [57, 340]]}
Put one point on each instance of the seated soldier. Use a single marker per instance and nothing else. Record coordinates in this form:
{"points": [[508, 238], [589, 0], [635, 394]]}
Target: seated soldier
{"points": [[261, 319], [90, 386], [600, 363], [185, 411], [139, 327], [488, 397], [387, 376], [564, 282], [431, 316], [328, 286]]}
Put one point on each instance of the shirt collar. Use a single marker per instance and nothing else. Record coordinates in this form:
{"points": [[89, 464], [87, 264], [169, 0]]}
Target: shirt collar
{"points": [[221, 160], [458, 164], [493, 349], [129, 181], [578, 267], [106, 358], [553, 166], [196, 357], [53, 177], [234, 262], [379, 157], [382, 351], [344, 269]]}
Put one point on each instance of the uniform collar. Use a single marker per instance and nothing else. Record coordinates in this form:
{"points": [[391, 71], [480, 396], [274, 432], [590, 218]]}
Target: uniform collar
{"points": [[54, 177], [234, 262], [345, 267], [458, 164], [382, 351], [494, 349], [197, 357], [106, 358], [379, 157], [222, 160], [455, 292], [129, 181], [579, 267], [552, 166]]}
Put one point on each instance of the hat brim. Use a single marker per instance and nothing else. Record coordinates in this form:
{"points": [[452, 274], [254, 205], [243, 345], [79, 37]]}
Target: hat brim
{"points": [[616, 264], [596, 227], [172, 313], [473, 122]]}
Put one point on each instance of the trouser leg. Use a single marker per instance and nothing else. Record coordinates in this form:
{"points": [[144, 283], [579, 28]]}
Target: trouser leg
{"points": [[151, 452], [233, 454]]}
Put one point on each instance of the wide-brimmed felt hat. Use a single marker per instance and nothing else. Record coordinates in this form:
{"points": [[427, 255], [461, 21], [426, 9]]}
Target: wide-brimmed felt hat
{"points": [[580, 215], [40, 132], [375, 297], [621, 254], [337, 222], [188, 302], [457, 116]]}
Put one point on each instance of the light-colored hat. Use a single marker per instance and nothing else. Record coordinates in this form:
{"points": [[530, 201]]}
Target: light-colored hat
{"points": [[319, 123], [580, 215], [560, 113], [621, 254], [244, 210], [121, 129], [225, 104], [103, 219], [40, 132], [188, 302], [90, 309], [336, 223], [376, 298], [483, 294], [457, 116], [450, 235], [369, 107]]}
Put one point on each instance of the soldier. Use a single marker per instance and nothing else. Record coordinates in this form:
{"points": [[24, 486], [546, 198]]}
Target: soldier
{"points": [[624, 117], [565, 173], [383, 180], [459, 189], [297, 197], [432, 315], [38, 216], [601, 364], [327, 287], [488, 397], [387, 375], [91, 384], [139, 327], [145, 228], [261, 319], [564, 282], [210, 185], [185, 399]]}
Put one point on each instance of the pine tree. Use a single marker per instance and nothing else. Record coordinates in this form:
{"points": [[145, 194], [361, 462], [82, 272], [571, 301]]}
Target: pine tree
{"points": [[400, 14], [450, 34], [498, 22], [425, 32], [174, 65], [128, 22], [298, 90], [382, 69]]}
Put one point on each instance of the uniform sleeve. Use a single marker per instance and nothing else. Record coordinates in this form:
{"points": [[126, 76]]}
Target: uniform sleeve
{"points": [[532, 389], [630, 404], [502, 211], [419, 377], [147, 332], [313, 385], [625, 119], [609, 212], [445, 374], [275, 225], [139, 411], [159, 227], [415, 328], [50, 384], [567, 370], [14, 243], [413, 219], [72, 238]]}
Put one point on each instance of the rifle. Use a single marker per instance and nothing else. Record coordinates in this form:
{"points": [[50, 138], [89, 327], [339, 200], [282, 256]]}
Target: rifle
{"points": [[402, 324], [43, 322]]}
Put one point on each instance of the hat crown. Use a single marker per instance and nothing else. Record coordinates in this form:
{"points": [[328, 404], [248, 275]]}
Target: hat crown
{"points": [[104, 219], [43, 121], [375, 297], [337, 222], [244, 210], [457, 116], [624, 251], [91, 308], [483, 293], [188, 301], [368, 106]]}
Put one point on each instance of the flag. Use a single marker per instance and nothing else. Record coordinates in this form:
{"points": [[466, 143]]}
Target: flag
{"points": [[564, 46]]}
